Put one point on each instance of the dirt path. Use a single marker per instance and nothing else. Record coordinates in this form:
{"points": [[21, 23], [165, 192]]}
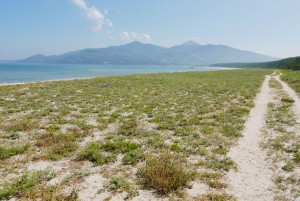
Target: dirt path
{"points": [[253, 180]]}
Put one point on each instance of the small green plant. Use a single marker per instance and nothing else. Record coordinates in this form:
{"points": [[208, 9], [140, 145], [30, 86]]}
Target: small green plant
{"points": [[53, 128], [288, 167], [175, 147], [133, 157], [12, 151], [287, 100], [165, 174], [221, 164], [119, 184], [93, 153], [297, 157], [12, 135]]}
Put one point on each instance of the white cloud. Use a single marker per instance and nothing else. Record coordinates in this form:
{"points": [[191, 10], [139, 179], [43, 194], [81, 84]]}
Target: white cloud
{"points": [[130, 35], [94, 15], [125, 35], [146, 37]]}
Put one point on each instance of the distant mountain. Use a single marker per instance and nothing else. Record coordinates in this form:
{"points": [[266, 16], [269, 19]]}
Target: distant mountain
{"points": [[289, 63], [136, 53]]}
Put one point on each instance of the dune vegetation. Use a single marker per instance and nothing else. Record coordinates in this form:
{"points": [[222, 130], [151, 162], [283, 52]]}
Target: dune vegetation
{"points": [[167, 133]]}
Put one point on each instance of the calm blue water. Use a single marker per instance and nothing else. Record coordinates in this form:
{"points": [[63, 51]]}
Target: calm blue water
{"points": [[22, 73]]}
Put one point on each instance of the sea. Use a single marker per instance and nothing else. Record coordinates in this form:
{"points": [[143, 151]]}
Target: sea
{"points": [[24, 73]]}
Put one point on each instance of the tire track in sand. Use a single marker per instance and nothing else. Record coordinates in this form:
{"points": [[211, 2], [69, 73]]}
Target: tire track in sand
{"points": [[253, 180]]}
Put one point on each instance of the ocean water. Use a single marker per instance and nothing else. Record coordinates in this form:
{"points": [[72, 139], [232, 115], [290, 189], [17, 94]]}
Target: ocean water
{"points": [[24, 73]]}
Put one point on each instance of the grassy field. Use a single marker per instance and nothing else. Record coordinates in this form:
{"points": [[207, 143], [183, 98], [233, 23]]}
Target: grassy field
{"points": [[162, 132], [292, 78]]}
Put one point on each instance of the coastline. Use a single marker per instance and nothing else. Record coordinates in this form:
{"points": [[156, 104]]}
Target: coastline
{"points": [[83, 78]]}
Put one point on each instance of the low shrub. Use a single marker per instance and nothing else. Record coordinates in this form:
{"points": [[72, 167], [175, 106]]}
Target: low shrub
{"points": [[165, 174]]}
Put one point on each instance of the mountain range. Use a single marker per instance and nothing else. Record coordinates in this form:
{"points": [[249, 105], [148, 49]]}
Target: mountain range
{"points": [[137, 53]]}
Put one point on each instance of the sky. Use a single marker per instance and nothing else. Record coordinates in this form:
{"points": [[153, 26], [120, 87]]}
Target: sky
{"points": [[28, 27]]}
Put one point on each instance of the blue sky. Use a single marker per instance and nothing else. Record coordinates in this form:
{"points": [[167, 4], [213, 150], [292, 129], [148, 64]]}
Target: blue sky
{"points": [[56, 26]]}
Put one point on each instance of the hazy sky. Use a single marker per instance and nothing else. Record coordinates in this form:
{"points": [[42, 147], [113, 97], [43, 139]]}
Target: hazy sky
{"points": [[29, 27]]}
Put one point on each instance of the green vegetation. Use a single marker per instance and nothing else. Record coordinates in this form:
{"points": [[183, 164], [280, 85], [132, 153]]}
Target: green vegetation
{"points": [[12, 151], [119, 184], [57, 145], [289, 63], [102, 153], [49, 193], [292, 78], [23, 184], [119, 122]]}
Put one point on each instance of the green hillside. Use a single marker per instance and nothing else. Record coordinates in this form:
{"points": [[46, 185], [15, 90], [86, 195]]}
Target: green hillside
{"points": [[289, 63]]}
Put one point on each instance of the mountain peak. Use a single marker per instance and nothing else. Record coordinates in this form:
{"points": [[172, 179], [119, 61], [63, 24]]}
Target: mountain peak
{"points": [[135, 43], [190, 43]]}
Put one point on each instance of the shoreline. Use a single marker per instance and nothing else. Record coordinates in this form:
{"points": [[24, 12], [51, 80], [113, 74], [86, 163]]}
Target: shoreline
{"points": [[83, 78]]}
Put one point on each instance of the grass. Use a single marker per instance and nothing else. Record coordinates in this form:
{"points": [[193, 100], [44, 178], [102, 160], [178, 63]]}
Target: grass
{"points": [[292, 78], [122, 120]]}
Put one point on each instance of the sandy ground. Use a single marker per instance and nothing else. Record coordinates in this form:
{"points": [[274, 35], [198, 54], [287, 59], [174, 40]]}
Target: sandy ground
{"points": [[253, 180]]}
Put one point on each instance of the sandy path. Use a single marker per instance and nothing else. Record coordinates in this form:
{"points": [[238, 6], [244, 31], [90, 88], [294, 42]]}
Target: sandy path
{"points": [[253, 180]]}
